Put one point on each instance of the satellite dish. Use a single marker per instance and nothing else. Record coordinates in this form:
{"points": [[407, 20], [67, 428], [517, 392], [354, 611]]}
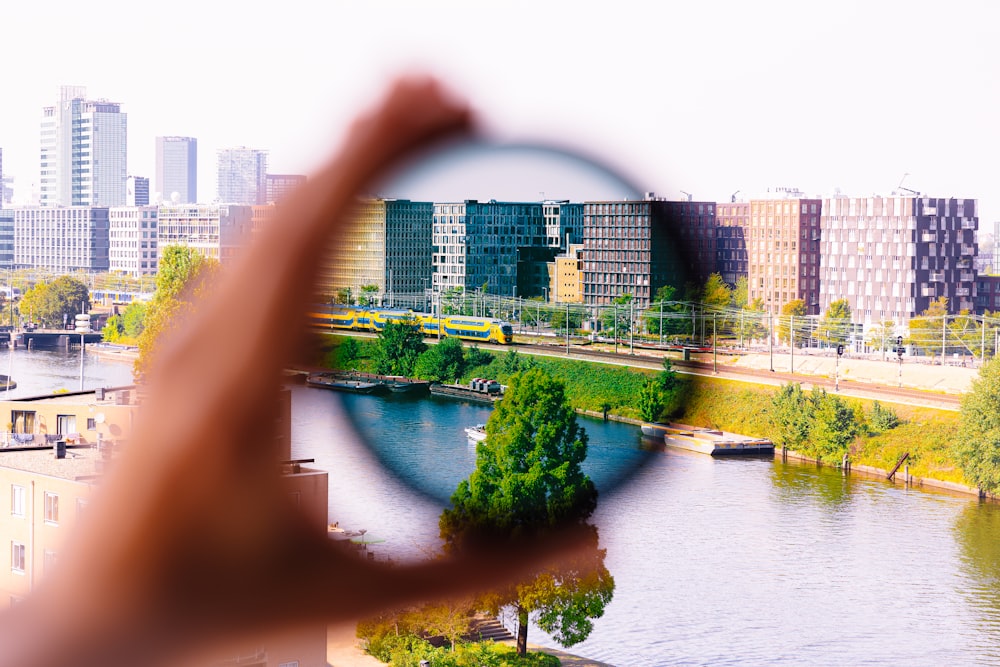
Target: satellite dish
{"points": [[99, 418]]}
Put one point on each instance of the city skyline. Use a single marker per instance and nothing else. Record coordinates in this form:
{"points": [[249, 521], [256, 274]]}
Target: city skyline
{"points": [[741, 97]]}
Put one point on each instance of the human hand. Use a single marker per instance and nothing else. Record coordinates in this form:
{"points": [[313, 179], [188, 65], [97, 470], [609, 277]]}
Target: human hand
{"points": [[190, 537]]}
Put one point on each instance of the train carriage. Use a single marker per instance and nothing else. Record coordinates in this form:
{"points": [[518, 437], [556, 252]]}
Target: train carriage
{"points": [[480, 329]]}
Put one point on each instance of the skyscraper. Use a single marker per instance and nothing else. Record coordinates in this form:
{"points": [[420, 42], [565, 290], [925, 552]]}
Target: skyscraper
{"points": [[137, 191], [242, 176], [177, 168], [84, 148]]}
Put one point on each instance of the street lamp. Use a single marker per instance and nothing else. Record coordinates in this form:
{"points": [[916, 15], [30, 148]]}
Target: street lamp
{"points": [[82, 324]]}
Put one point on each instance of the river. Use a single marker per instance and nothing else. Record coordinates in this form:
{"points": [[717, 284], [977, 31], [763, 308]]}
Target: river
{"points": [[716, 562]]}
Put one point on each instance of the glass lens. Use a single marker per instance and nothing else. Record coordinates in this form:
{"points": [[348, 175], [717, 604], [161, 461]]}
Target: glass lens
{"points": [[529, 256]]}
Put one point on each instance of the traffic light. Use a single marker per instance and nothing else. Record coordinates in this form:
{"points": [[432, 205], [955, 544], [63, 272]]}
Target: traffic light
{"points": [[840, 350]]}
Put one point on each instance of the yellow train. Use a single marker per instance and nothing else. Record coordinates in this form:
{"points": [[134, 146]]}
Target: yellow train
{"points": [[358, 318]]}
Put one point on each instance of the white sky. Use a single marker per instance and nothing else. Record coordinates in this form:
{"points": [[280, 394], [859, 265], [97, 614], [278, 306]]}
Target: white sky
{"points": [[705, 97]]}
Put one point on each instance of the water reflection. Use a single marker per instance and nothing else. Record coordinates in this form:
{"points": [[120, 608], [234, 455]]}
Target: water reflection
{"points": [[977, 530], [800, 482]]}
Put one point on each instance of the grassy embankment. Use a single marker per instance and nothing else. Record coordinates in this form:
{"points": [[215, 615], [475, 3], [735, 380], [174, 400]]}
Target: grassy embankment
{"points": [[739, 407]]}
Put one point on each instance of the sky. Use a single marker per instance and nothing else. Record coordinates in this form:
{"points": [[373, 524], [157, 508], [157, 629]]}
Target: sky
{"points": [[707, 98]]}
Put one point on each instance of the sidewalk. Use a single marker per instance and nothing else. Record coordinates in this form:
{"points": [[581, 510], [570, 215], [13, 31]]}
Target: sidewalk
{"points": [[915, 375]]}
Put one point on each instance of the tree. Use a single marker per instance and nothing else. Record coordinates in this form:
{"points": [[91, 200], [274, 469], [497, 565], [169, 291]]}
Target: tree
{"points": [[741, 293], [666, 314], [621, 309], [716, 294], [753, 321], [835, 327], [348, 350], [882, 336], [927, 330], [442, 362], [791, 416], [134, 320], [562, 318], [400, 344], [977, 444], [791, 310], [651, 401], [183, 275], [57, 303], [528, 481], [834, 427], [369, 295]]}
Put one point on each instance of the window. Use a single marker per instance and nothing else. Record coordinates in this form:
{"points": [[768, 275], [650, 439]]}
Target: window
{"points": [[50, 559], [17, 557], [65, 424], [16, 500], [22, 421], [51, 507]]}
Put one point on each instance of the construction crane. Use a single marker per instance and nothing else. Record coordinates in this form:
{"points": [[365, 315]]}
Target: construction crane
{"points": [[900, 189], [688, 195], [732, 197]]}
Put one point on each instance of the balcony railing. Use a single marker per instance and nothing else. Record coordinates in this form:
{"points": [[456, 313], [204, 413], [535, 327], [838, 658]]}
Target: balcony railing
{"points": [[966, 276], [928, 237], [937, 277], [928, 291], [968, 249], [969, 224], [962, 291]]}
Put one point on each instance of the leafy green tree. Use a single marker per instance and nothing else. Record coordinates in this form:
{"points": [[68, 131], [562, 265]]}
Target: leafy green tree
{"points": [[753, 322], [113, 329], [792, 314], [977, 443], [476, 357], [835, 327], [348, 350], [453, 302], [882, 419], [926, 330], [442, 362], [563, 317], [368, 296], [791, 417], [343, 295], [673, 317], [741, 293], [134, 320], [183, 276], [716, 294], [56, 303], [622, 310], [527, 482], [882, 336], [834, 427], [651, 401], [399, 347], [667, 378]]}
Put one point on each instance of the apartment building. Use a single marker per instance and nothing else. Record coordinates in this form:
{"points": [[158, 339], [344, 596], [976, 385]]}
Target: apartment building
{"points": [[732, 223], [132, 235], [783, 251], [891, 256], [566, 276], [62, 240], [388, 244], [217, 231], [636, 247]]}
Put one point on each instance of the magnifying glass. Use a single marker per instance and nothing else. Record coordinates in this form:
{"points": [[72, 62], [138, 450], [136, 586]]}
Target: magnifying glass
{"points": [[483, 260]]}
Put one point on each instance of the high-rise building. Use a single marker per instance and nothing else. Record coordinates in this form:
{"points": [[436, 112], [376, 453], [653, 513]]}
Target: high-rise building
{"points": [[177, 169], [137, 191], [83, 151], [242, 176], [132, 240], [891, 256], [279, 185], [6, 238], [387, 245], [218, 231], [638, 246], [477, 244], [61, 240], [732, 222], [783, 251]]}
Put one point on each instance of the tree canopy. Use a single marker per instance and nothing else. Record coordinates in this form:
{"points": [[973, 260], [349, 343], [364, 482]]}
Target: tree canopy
{"points": [[56, 303], [183, 276], [927, 330], [835, 327], [528, 481], [400, 344], [977, 446], [795, 308]]}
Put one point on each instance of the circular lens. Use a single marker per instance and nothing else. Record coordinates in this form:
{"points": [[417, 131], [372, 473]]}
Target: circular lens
{"points": [[481, 261]]}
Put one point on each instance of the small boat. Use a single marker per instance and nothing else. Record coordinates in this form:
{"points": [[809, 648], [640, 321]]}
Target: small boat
{"points": [[409, 387], [707, 440], [476, 433], [339, 384]]}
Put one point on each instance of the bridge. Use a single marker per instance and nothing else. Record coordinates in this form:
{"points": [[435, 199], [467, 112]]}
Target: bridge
{"points": [[48, 340]]}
